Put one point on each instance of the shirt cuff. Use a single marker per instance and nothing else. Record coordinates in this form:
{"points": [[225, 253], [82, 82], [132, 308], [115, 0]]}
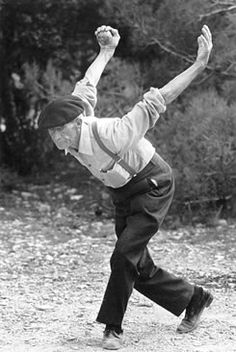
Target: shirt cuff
{"points": [[154, 97], [86, 91]]}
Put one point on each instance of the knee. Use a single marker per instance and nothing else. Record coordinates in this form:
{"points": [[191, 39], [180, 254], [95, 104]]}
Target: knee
{"points": [[118, 259], [122, 261], [125, 257]]}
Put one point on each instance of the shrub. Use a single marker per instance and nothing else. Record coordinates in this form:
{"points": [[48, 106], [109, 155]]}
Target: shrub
{"points": [[201, 144], [119, 88], [24, 147]]}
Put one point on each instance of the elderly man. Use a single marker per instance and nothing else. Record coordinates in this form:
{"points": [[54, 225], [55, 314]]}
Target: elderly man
{"points": [[140, 183]]}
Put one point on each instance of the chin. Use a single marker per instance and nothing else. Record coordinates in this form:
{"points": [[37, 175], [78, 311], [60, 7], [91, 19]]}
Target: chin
{"points": [[61, 146]]}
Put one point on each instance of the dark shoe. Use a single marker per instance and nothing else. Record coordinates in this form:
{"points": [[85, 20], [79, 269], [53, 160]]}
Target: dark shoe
{"points": [[200, 300], [112, 340]]}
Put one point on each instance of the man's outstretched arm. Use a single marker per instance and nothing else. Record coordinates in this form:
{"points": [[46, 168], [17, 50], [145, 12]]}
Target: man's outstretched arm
{"points": [[108, 39], [176, 86]]}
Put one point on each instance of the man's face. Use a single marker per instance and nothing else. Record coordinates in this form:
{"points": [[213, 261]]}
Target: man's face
{"points": [[64, 136]]}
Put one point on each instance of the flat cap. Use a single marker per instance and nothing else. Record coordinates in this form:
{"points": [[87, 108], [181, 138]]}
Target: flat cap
{"points": [[60, 111]]}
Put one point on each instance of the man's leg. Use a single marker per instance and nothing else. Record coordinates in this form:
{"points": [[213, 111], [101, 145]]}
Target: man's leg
{"points": [[170, 292], [124, 272], [152, 280], [130, 255]]}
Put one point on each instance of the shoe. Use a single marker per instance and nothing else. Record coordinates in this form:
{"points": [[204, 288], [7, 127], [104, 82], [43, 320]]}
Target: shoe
{"points": [[200, 300], [112, 340]]}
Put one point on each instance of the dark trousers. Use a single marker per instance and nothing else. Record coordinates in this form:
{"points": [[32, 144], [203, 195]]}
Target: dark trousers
{"points": [[140, 208]]}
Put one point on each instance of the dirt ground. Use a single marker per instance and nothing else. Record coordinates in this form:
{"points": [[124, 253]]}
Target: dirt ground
{"points": [[54, 265]]}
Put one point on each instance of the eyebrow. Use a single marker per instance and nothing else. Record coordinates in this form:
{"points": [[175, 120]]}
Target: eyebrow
{"points": [[56, 128]]}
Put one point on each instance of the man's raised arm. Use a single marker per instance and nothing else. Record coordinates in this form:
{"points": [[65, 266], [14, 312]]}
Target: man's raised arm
{"points": [[176, 86], [108, 39]]}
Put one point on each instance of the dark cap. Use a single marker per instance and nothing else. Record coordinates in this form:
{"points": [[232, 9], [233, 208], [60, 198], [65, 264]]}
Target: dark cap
{"points": [[60, 111]]}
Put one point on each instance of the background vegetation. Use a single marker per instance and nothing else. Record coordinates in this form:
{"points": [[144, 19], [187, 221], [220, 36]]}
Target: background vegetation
{"points": [[46, 45]]}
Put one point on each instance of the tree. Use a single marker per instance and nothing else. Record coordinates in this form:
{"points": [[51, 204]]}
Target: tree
{"points": [[36, 35], [46, 45]]}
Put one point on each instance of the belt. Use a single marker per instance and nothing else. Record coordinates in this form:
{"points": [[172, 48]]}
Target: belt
{"points": [[142, 182], [153, 163]]}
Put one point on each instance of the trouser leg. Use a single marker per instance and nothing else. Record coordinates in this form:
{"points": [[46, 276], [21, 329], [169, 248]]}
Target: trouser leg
{"points": [[170, 292], [124, 269], [132, 266]]}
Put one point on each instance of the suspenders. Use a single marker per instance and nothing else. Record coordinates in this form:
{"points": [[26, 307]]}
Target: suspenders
{"points": [[114, 156]]}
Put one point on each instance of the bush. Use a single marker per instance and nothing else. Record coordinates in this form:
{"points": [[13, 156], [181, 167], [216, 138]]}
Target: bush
{"points": [[24, 147], [8, 179], [201, 144], [119, 89]]}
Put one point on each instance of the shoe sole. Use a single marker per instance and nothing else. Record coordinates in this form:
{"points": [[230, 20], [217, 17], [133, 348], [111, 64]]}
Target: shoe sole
{"points": [[113, 345], [111, 348], [206, 305]]}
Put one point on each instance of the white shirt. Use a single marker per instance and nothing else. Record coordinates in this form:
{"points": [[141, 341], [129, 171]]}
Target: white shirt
{"points": [[123, 136]]}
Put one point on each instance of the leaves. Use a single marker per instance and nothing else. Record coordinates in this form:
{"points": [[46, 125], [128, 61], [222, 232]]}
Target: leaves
{"points": [[201, 147]]}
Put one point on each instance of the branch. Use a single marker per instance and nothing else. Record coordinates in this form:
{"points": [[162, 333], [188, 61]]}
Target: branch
{"points": [[171, 51], [230, 66], [222, 3], [190, 60], [204, 200], [216, 12], [204, 79], [120, 95]]}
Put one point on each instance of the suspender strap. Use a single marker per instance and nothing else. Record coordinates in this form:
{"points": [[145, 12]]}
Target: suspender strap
{"points": [[114, 156]]}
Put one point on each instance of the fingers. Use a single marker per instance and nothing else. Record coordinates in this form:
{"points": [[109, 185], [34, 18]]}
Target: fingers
{"points": [[206, 33], [202, 42], [101, 29], [104, 28], [113, 31], [204, 46]]}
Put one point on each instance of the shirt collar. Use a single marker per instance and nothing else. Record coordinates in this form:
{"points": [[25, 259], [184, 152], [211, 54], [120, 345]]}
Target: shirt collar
{"points": [[85, 145]]}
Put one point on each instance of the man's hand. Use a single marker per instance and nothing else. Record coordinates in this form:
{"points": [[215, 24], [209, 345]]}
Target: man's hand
{"points": [[177, 85], [107, 37], [204, 46]]}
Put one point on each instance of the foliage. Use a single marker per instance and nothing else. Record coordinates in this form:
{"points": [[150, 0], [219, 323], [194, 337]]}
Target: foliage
{"points": [[119, 88], [8, 179], [46, 46], [27, 149], [201, 144], [40, 40], [167, 30]]}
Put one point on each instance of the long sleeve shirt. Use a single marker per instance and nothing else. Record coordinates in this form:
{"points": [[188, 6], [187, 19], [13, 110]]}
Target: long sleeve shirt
{"points": [[123, 136]]}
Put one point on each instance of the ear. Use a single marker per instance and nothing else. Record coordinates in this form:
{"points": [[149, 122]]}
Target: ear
{"points": [[78, 121]]}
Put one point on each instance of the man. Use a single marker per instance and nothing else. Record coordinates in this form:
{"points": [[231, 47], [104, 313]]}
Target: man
{"points": [[139, 180]]}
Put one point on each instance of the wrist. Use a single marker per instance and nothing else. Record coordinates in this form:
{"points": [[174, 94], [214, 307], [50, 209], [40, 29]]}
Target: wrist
{"points": [[109, 51], [199, 65]]}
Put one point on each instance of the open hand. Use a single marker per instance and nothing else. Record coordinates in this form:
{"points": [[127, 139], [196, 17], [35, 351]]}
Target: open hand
{"points": [[107, 37], [204, 46]]}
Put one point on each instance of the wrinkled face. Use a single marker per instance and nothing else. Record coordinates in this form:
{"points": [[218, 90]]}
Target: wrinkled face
{"points": [[65, 136]]}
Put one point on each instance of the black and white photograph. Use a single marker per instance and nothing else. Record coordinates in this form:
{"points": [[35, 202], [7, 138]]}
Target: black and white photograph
{"points": [[117, 175]]}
